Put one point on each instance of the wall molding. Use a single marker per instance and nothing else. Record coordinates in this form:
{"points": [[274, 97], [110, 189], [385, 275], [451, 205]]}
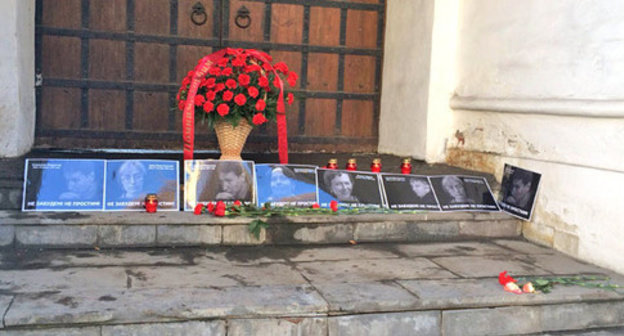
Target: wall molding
{"points": [[590, 108]]}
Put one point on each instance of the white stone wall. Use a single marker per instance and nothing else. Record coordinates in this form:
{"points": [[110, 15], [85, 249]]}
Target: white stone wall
{"points": [[17, 77], [540, 84]]}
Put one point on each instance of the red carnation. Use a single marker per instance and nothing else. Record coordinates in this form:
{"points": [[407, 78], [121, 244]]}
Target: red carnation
{"points": [[253, 91], [238, 62], [259, 119], [186, 81], [226, 72], [199, 100], [231, 83], [244, 79], [281, 67], [260, 105], [210, 82], [228, 95], [210, 207], [214, 71], [290, 98], [263, 81], [220, 209], [223, 62], [240, 99], [315, 206], [253, 67], [503, 278], [181, 105], [219, 87], [267, 66], [237, 203], [292, 78], [277, 82], [333, 205], [198, 209], [208, 107], [211, 95], [223, 109]]}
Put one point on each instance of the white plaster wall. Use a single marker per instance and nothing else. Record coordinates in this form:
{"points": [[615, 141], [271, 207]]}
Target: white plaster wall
{"points": [[407, 54], [539, 84], [17, 94]]}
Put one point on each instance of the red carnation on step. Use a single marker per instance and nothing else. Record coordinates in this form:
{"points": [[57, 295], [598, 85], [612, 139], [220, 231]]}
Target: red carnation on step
{"points": [[210, 207], [220, 209], [315, 206], [198, 209], [333, 205]]}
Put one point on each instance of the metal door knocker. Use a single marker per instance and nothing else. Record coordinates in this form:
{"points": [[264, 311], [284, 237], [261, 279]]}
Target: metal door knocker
{"points": [[198, 15], [242, 20]]}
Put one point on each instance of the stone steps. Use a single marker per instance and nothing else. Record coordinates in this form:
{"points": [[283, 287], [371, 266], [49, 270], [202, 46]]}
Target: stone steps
{"points": [[138, 229], [443, 288]]}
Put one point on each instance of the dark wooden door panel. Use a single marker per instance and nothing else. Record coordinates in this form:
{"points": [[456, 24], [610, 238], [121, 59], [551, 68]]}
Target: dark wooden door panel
{"points": [[111, 68]]}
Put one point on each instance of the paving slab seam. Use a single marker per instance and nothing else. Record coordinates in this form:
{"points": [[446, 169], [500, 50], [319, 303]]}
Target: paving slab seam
{"points": [[4, 314], [445, 268]]}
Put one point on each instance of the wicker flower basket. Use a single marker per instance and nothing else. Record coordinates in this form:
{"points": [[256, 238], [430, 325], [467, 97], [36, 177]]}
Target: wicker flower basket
{"points": [[232, 139]]}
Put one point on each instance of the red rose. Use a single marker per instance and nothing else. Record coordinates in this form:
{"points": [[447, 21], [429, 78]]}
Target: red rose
{"points": [[253, 91], [226, 72], [211, 95], [198, 209], [240, 99], [281, 67], [199, 100], [315, 206], [228, 95], [259, 119], [208, 107], [237, 203], [333, 205], [223, 109], [231, 83], [210, 207], [244, 79], [290, 98], [263, 81], [219, 87], [292, 78], [260, 105]]}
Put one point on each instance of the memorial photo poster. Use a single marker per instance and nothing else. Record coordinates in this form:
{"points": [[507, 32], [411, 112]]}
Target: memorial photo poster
{"points": [[129, 181], [456, 192], [286, 185], [63, 185], [348, 188], [211, 181], [409, 192], [518, 191]]}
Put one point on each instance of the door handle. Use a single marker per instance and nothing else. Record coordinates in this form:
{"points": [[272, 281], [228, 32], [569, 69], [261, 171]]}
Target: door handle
{"points": [[199, 15], [242, 20]]}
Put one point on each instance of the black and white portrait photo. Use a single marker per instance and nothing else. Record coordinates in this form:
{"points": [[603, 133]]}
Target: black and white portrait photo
{"points": [[63, 185], [456, 192], [286, 185], [409, 192], [349, 188], [129, 181], [211, 181], [518, 190]]}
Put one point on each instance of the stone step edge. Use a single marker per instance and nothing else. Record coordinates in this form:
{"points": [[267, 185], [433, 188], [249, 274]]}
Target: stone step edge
{"points": [[16, 217], [516, 319], [229, 234]]}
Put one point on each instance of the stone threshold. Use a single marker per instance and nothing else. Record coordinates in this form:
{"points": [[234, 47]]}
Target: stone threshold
{"points": [[139, 229], [368, 289]]}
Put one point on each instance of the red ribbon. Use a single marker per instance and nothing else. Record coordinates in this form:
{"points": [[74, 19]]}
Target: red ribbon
{"points": [[188, 117]]}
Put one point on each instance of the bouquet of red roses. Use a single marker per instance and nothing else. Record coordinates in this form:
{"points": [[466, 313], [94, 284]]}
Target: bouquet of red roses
{"points": [[240, 83]]}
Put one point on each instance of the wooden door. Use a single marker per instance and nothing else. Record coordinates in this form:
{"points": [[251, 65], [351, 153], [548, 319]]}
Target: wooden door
{"points": [[109, 69]]}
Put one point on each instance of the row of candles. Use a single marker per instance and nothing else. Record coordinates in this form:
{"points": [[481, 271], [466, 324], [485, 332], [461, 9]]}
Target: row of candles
{"points": [[375, 167]]}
